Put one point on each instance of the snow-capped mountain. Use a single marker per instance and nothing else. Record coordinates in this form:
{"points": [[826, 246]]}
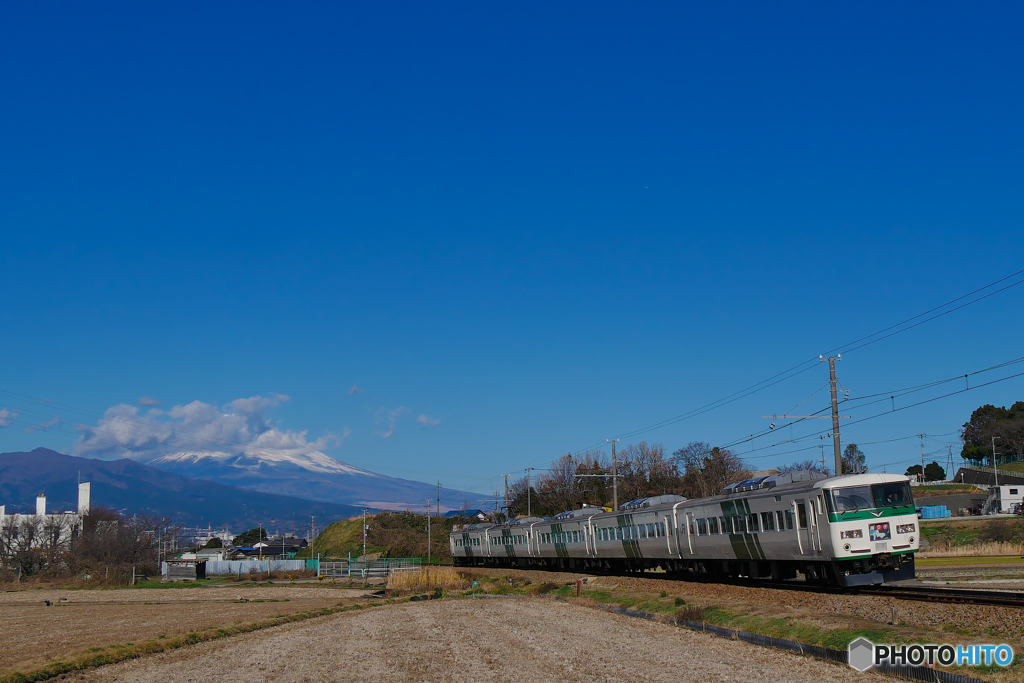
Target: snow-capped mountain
{"points": [[312, 475]]}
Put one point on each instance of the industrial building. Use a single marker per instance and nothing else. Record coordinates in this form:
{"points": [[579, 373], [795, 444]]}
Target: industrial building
{"points": [[44, 527]]}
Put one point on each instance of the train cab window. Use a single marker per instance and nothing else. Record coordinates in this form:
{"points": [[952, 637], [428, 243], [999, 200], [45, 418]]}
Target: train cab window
{"points": [[768, 521], [801, 514], [753, 522], [713, 525]]}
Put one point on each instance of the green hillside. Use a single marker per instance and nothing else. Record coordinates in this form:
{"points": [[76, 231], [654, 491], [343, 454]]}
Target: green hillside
{"points": [[391, 534]]}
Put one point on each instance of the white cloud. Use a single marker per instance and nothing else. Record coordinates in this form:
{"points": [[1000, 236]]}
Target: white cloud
{"points": [[7, 416], [42, 427], [148, 401], [428, 421], [354, 390], [240, 427], [388, 418]]}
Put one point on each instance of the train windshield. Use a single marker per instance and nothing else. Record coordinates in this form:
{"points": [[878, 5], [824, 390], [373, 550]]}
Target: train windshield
{"points": [[874, 496]]}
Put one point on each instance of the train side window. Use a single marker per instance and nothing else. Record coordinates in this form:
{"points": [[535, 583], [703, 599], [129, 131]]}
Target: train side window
{"points": [[650, 531], [781, 519], [768, 521], [726, 523], [702, 527], [618, 533], [664, 532], [739, 524], [643, 530], [801, 513], [789, 519], [753, 522], [713, 525]]}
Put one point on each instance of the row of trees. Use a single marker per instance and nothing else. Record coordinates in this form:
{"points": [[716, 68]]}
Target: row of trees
{"points": [[1004, 425], [695, 470]]}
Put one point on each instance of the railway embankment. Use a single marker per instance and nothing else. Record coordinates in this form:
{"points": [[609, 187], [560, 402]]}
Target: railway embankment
{"points": [[827, 619]]}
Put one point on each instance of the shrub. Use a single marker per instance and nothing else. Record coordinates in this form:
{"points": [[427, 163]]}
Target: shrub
{"points": [[690, 614], [680, 602]]}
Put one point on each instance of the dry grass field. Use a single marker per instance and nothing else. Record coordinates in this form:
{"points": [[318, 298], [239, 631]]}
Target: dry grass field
{"points": [[78, 622]]}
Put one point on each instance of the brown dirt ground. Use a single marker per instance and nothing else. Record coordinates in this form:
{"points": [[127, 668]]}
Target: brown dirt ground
{"points": [[34, 634], [480, 640]]}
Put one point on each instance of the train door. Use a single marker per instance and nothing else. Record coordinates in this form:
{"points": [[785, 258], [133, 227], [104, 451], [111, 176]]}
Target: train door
{"points": [[689, 531], [805, 538]]}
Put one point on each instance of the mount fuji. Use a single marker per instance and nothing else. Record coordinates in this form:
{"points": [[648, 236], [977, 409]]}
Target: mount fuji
{"points": [[312, 475]]}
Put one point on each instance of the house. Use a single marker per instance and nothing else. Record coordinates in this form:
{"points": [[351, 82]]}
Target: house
{"points": [[479, 514], [277, 548]]}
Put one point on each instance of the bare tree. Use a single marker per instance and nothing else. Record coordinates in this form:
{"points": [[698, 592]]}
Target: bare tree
{"points": [[707, 469], [811, 465]]}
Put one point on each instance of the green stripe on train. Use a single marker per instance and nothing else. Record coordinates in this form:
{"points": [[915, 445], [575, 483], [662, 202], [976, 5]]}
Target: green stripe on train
{"points": [[854, 515]]}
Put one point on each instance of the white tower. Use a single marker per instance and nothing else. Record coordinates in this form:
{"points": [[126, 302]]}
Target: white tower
{"points": [[84, 497]]}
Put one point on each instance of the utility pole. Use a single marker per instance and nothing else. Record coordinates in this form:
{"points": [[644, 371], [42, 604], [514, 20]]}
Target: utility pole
{"points": [[438, 500], [921, 436], [428, 530], [312, 533], [506, 496], [995, 469], [364, 543], [529, 491], [825, 469], [615, 476], [834, 390]]}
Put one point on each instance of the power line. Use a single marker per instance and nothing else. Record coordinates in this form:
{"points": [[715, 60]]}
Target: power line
{"points": [[854, 345]]}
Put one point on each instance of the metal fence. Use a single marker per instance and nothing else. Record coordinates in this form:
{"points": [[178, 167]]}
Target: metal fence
{"points": [[348, 569]]}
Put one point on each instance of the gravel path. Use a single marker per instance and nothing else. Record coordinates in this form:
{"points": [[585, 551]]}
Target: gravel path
{"points": [[479, 640]]}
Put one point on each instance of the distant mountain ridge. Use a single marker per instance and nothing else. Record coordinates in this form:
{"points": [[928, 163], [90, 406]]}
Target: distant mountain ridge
{"points": [[314, 476], [136, 488]]}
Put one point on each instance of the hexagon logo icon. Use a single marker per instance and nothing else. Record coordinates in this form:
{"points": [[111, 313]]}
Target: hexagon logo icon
{"points": [[861, 654]]}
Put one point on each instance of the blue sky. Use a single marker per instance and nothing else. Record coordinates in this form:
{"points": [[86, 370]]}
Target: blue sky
{"points": [[517, 230]]}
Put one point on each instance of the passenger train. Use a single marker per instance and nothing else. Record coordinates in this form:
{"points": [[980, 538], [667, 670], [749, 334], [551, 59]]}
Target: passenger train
{"points": [[852, 530]]}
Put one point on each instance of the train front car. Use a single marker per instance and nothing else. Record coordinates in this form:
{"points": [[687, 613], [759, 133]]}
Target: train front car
{"points": [[873, 528]]}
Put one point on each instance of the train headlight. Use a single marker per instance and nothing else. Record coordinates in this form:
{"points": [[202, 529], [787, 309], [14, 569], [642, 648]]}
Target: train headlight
{"points": [[904, 528], [852, 533], [911, 539], [846, 547]]}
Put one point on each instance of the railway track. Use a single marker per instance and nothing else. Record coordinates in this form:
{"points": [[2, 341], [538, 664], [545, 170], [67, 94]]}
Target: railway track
{"points": [[947, 595]]}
